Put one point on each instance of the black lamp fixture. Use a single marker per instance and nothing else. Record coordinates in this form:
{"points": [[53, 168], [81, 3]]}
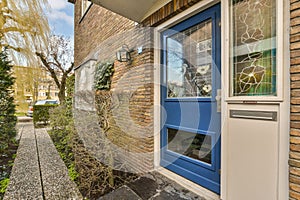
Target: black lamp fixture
{"points": [[123, 55]]}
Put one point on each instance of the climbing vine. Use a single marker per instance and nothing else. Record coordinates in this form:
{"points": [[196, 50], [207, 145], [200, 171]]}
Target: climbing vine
{"points": [[103, 74]]}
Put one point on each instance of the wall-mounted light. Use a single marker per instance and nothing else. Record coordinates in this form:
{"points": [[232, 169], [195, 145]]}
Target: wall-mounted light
{"points": [[123, 55]]}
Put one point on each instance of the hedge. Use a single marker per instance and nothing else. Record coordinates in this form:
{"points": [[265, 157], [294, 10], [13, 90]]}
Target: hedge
{"points": [[41, 114]]}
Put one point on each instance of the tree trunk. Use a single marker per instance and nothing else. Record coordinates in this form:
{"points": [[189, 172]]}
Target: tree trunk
{"points": [[62, 89]]}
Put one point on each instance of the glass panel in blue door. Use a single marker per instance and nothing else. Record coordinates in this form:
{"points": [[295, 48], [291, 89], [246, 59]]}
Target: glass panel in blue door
{"points": [[189, 62], [193, 145]]}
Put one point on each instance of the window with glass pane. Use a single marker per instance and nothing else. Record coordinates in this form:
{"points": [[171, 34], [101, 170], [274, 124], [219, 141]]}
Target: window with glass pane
{"points": [[253, 47], [189, 62], [85, 4], [193, 145]]}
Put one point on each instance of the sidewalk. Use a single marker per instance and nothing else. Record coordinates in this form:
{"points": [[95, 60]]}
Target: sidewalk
{"points": [[38, 171]]}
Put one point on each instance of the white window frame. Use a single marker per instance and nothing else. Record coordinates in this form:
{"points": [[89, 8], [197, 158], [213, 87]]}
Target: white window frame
{"points": [[85, 5]]}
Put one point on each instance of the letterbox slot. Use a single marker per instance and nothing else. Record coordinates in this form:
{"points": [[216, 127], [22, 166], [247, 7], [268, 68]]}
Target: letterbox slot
{"points": [[256, 115]]}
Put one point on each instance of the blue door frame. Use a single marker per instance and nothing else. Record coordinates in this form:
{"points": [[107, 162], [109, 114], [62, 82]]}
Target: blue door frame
{"points": [[193, 114]]}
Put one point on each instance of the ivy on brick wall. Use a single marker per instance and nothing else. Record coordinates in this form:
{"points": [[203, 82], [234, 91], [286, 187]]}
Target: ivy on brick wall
{"points": [[103, 74]]}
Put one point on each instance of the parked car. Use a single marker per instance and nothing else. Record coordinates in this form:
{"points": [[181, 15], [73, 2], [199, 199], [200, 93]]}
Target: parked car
{"points": [[40, 102]]}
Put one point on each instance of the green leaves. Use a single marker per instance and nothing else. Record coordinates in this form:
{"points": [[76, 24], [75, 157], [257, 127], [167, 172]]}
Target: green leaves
{"points": [[103, 74], [8, 119], [41, 113], [3, 185]]}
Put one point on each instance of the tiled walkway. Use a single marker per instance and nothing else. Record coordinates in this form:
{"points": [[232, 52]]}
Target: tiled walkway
{"points": [[38, 171]]}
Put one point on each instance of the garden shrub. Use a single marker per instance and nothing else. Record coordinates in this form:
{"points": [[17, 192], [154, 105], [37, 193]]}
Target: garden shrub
{"points": [[41, 113], [61, 132], [8, 120]]}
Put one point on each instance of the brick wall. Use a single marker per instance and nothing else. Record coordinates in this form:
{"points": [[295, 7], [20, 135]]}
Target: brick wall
{"points": [[95, 27], [294, 160], [129, 138], [99, 34]]}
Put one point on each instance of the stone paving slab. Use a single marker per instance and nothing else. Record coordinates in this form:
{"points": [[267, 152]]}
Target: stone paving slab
{"points": [[55, 178], [122, 193], [25, 181], [152, 186]]}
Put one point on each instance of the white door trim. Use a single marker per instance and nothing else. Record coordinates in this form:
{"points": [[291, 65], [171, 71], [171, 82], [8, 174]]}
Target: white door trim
{"points": [[202, 5]]}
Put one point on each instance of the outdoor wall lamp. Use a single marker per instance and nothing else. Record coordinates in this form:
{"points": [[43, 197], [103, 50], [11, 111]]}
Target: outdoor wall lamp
{"points": [[123, 55]]}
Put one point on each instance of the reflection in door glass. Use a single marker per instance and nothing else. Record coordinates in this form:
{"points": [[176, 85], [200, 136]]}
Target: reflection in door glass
{"points": [[193, 145], [189, 62]]}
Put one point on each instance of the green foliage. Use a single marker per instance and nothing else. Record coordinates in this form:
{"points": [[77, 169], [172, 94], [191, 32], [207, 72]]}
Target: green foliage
{"points": [[6, 163], [8, 119], [3, 185], [72, 172], [70, 90], [41, 113], [62, 134], [62, 131], [103, 74]]}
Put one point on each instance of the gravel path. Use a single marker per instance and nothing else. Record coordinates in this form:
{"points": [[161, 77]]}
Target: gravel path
{"points": [[38, 171]]}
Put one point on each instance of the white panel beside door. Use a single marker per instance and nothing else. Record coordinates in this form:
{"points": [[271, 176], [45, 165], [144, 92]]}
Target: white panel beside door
{"points": [[252, 147]]}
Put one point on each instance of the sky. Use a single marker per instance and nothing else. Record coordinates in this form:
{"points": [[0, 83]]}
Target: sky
{"points": [[61, 17]]}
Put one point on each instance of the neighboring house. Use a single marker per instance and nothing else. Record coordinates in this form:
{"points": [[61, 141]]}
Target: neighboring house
{"points": [[209, 97], [32, 84]]}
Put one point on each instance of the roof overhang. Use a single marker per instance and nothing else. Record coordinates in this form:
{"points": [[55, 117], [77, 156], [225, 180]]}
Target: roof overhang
{"points": [[136, 10], [72, 1]]}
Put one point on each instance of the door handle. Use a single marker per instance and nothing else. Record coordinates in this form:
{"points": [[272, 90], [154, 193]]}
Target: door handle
{"points": [[218, 99]]}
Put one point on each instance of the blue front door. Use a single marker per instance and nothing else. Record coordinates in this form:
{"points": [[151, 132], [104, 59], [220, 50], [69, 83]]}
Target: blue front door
{"points": [[190, 135]]}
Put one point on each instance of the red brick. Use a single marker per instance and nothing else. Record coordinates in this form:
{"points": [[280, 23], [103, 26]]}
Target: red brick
{"points": [[295, 93], [295, 69], [295, 5], [295, 171], [294, 195], [295, 187], [294, 179], [295, 140], [295, 147], [294, 38], [295, 132]]}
